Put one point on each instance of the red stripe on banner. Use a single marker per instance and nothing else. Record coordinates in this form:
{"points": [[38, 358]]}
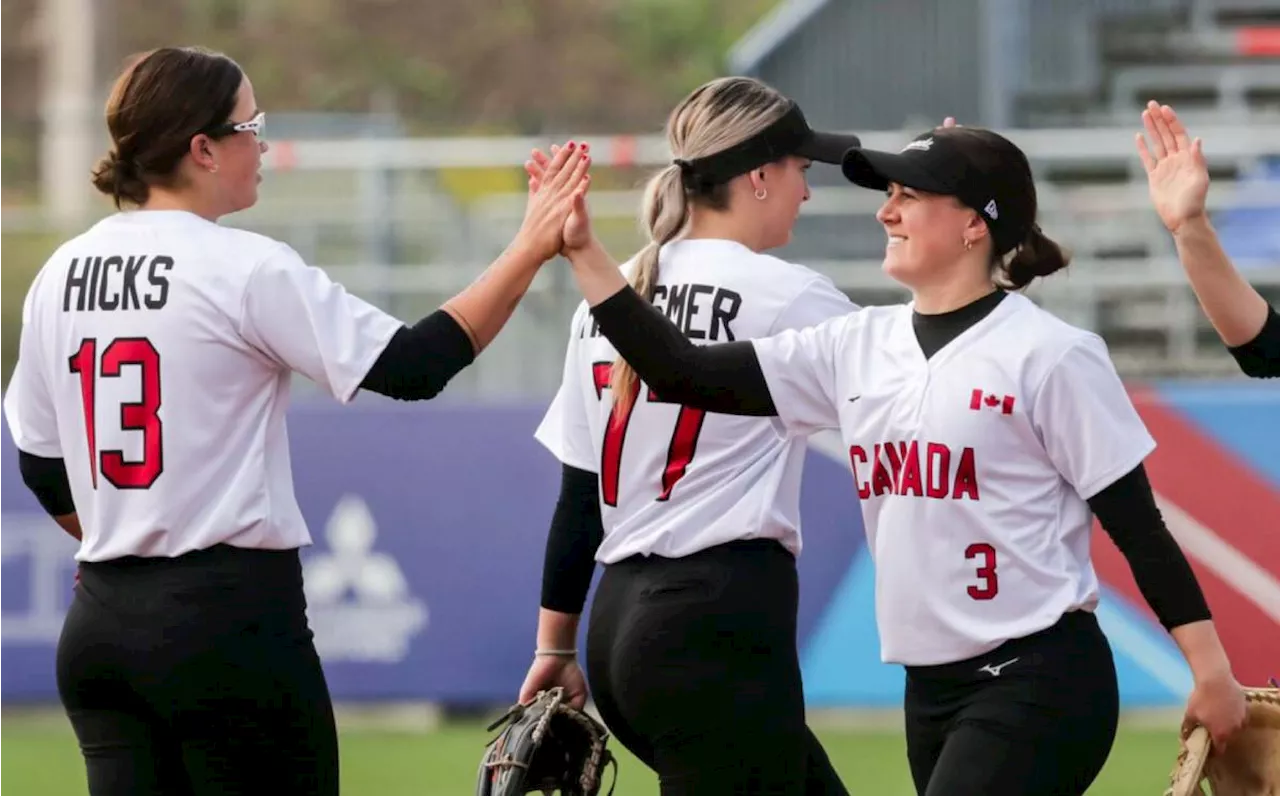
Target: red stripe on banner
{"points": [[1213, 488], [1249, 636], [1212, 485]]}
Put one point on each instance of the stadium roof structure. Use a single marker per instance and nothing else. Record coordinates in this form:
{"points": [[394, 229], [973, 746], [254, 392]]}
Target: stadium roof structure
{"points": [[770, 32]]}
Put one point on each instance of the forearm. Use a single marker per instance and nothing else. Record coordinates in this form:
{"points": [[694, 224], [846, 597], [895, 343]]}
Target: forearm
{"points": [[557, 631], [71, 524], [47, 479], [596, 272], [1128, 513], [721, 377], [487, 304], [1235, 309], [1203, 649], [572, 541], [419, 361]]}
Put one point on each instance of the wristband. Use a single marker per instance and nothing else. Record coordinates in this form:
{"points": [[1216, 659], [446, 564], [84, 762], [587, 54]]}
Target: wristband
{"points": [[556, 653]]}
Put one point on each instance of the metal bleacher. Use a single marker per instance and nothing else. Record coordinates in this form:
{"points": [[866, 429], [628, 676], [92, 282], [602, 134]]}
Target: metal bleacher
{"points": [[1218, 63]]}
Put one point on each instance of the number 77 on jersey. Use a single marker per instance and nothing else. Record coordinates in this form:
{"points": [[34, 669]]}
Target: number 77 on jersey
{"points": [[684, 438]]}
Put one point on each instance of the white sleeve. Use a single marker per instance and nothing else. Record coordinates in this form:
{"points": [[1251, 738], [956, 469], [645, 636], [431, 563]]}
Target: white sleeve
{"points": [[802, 369], [300, 318], [28, 405], [1088, 424], [817, 301], [565, 429]]}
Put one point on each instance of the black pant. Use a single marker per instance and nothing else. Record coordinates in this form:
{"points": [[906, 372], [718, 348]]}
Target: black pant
{"points": [[693, 666], [197, 675], [1036, 716]]}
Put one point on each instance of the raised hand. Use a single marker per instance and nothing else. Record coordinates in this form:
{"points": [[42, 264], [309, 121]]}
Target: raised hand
{"points": [[576, 233], [1177, 175], [560, 186]]}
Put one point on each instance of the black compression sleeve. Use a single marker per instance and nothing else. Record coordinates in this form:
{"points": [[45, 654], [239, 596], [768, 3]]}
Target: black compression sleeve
{"points": [[575, 535], [1128, 513], [47, 480], [420, 360], [1260, 357], [721, 377]]}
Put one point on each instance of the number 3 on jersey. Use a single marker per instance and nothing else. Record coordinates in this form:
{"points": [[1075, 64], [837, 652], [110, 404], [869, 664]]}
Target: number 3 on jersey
{"points": [[684, 439], [986, 571], [141, 415]]}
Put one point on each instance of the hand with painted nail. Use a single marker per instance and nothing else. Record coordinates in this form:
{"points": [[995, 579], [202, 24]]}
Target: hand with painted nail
{"points": [[559, 186]]}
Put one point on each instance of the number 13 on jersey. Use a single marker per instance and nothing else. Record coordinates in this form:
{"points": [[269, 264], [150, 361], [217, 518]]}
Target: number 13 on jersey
{"points": [[684, 439], [141, 415]]}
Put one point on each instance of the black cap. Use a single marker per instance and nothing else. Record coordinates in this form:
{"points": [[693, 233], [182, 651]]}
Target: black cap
{"points": [[944, 162], [789, 135]]}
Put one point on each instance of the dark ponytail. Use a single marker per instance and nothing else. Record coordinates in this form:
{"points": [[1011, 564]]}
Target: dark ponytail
{"points": [[1038, 255]]}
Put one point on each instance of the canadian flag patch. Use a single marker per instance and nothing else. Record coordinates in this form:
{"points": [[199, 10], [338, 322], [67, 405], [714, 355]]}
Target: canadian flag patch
{"points": [[984, 400]]}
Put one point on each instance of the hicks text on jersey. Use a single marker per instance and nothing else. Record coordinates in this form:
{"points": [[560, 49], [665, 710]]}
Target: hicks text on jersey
{"points": [[114, 282], [703, 312]]}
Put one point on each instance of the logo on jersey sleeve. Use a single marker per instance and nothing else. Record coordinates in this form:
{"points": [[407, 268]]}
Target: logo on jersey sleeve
{"points": [[358, 600], [919, 469], [980, 400]]}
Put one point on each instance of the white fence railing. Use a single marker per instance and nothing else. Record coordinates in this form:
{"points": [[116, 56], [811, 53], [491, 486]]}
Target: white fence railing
{"points": [[380, 215]]}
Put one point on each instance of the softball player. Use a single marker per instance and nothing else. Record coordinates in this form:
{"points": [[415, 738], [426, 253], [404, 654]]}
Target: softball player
{"points": [[984, 434], [691, 647], [148, 408], [1178, 179]]}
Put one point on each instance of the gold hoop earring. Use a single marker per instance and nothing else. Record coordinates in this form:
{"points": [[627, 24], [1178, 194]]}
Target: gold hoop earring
{"points": [[213, 169], [762, 194]]}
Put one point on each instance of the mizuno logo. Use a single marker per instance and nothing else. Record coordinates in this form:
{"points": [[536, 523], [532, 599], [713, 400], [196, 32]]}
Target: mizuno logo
{"points": [[995, 669]]}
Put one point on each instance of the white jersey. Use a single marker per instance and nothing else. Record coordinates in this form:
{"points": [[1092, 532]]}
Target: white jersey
{"points": [[973, 467], [675, 480], [155, 360]]}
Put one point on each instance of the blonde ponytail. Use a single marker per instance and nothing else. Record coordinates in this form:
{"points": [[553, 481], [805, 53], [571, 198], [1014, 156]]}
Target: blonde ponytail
{"points": [[712, 118], [666, 215]]}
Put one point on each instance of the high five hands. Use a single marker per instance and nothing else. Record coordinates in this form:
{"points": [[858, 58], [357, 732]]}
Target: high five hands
{"points": [[557, 194], [576, 230]]}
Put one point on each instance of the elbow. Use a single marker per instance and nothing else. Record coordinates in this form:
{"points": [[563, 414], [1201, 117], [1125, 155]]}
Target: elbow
{"points": [[47, 479], [423, 390]]}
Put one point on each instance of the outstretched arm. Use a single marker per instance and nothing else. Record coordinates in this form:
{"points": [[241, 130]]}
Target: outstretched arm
{"points": [[1178, 180], [721, 377], [301, 319]]}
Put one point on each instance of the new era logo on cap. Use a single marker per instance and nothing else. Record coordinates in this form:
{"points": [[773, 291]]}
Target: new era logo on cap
{"points": [[984, 400], [991, 209]]}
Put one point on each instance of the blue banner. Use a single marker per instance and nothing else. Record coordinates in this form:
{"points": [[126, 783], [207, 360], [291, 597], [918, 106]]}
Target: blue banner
{"points": [[430, 522], [429, 525]]}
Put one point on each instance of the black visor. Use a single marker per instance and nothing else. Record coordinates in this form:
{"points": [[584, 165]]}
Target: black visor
{"points": [[789, 135], [935, 164]]}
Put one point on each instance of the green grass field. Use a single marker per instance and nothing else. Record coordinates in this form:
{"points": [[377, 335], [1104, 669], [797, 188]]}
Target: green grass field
{"points": [[40, 757]]}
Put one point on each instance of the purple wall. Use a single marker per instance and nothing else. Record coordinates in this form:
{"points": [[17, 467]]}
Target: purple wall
{"points": [[441, 602]]}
